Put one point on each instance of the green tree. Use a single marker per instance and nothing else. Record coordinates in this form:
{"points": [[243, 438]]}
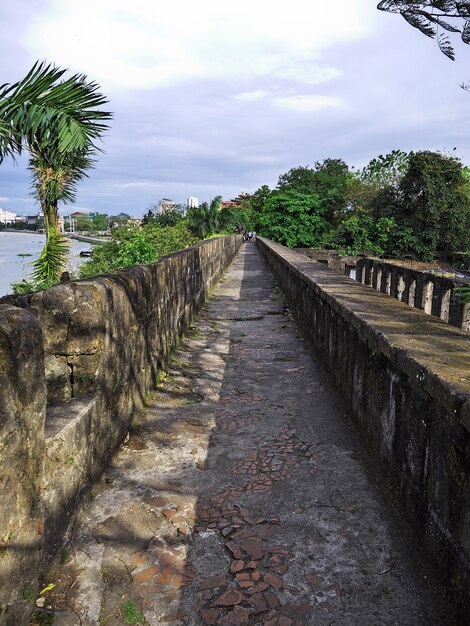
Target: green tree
{"points": [[198, 220], [168, 218], [130, 245], [233, 218], [328, 180], [433, 213], [377, 188], [293, 218], [99, 221], [117, 221], [362, 232], [386, 171], [204, 220], [59, 123], [432, 17], [301, 178], [259, 197], [332, 183]]}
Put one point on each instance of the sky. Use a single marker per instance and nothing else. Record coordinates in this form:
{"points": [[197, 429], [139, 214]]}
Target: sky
{"points": [[217, 98]]}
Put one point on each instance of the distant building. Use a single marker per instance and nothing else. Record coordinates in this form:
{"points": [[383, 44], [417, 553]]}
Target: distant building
{"points": [[73, 222], [34, 220], [7, 217], [235, 202], [193, 202], [166, 205], [225, 204], [134, 221]]}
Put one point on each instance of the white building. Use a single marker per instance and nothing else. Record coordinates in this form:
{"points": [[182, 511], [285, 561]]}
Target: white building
{"points": [[193, 202], [7, 217], [166, 205]]}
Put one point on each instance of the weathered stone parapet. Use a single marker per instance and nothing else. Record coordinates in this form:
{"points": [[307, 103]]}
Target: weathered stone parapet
{"points": [[97, 346], [405, 380], [22, 415], [331, 258], [431, 293]]}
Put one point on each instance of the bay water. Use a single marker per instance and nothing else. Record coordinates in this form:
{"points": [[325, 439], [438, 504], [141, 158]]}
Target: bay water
{"points": [[14, 266]]}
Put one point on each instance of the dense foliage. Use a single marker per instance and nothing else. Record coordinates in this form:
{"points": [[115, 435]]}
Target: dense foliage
{"points": [[144, 244], [432, 206], [328, 181], [293, 218], [398, 204], [203, 220], [236, 219]]}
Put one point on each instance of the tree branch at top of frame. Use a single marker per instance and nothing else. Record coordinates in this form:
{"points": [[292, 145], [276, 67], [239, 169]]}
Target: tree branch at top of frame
{"points": [[431, 17]]}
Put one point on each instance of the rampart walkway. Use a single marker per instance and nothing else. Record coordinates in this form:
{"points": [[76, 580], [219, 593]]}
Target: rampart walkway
{"points": [[241, 498]]}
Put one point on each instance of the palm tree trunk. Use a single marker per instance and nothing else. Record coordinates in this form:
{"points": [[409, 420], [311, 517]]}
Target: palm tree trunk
{"points": [[51, 218]]}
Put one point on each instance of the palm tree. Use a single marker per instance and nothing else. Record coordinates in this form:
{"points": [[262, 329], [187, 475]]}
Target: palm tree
{"points": [[59, 123]]}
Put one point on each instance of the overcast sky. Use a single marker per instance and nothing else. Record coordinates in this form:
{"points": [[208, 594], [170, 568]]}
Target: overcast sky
{"points": [[214, 97]]}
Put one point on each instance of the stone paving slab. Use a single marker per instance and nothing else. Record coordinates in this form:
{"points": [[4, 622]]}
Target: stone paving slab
{"points": [[241, 497]]}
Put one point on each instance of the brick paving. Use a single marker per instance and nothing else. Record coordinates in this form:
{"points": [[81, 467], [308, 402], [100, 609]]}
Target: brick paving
{"points": [[240, 497]]}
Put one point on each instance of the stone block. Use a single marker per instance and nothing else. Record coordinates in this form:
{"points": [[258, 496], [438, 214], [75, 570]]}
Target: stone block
{"points": [[22, 413], [403, 376]]}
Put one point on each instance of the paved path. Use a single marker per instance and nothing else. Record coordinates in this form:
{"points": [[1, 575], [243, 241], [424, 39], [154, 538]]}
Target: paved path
{"points": [[241, 498]]}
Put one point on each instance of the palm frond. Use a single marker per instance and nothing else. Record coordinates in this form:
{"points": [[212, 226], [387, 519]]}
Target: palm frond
{"points": [[420, 22], [466, 32], [445, 47], [443, 23], [46, 114], [58, 183], [52, 260], [390, 6]]}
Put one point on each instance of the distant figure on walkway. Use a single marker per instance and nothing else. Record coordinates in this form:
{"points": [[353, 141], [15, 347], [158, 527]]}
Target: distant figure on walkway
{"points": [[254, 235], [250, 235]]}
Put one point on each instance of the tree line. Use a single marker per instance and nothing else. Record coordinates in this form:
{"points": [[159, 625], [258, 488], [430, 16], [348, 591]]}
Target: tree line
{"points": [[401, 203], [414, 203]]}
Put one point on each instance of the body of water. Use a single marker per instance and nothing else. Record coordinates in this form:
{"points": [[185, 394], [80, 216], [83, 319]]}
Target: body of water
{"points": [[14, 267]]}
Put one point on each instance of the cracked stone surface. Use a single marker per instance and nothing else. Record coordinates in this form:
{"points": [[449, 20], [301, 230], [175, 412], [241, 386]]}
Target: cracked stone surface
{"points": [[240, 497]]}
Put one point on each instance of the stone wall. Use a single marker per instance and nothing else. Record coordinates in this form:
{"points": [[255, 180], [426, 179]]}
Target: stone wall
{"points": [[405, 380], [431, 293], [331, 258], [76, 363]]}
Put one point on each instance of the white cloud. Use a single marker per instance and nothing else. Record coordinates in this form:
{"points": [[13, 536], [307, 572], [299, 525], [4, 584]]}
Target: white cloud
{"points": [[134, 185], [252, 96], [216, 97], [142, 44], [309, 73], [308, 103]]}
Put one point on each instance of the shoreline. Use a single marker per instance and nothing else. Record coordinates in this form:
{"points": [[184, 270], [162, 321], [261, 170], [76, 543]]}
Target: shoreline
{"points": [[85, 238], [22, 230], [15, 267]]}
